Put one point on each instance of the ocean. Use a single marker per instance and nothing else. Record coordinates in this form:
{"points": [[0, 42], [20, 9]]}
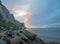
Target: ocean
{"points": [[47, 34]]}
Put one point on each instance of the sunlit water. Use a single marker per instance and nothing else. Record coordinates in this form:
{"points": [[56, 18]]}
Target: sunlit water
{"points": [[47, 34]]}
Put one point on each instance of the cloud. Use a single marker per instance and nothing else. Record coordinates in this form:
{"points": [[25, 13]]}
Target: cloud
{"points": [[22, 7], [44, 12], [25, 18], [54, 25]]}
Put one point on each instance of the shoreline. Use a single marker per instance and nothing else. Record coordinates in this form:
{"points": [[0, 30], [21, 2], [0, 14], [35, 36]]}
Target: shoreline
{"points": [[45, 34]]}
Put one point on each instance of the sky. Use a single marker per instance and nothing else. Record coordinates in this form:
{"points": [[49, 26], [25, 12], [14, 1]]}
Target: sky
{"points": [[35, 13]]}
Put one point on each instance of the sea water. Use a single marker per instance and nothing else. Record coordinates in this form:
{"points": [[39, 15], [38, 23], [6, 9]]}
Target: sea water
{"points": [[47, 34]]}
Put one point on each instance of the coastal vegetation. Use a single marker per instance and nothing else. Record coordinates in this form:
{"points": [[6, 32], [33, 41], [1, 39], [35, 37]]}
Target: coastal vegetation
{"points": [[9, 24]]}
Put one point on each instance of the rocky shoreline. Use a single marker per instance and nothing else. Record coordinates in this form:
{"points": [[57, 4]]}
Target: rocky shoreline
{"points": [[16, 36], [10, 35]]}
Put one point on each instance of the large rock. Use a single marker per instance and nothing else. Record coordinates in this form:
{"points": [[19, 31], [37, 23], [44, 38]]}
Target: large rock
{"points": [[2, 41], [30, 35]]}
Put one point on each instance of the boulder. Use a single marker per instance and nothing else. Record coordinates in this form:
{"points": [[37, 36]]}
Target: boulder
{"points": [[30, 35], [15, 40], [2, 41], [7, 39]]}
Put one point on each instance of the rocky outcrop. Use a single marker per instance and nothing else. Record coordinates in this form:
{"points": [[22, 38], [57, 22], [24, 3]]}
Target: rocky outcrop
{"points": [[7, 17], [30, 35], [10, 35]]}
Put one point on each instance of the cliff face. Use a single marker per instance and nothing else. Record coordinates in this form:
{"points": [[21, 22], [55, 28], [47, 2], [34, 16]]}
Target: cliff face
{"points": [[7, 17]]}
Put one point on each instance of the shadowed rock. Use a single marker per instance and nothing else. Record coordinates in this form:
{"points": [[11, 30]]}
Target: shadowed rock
{"points": [[1, 40], [30, 35]]}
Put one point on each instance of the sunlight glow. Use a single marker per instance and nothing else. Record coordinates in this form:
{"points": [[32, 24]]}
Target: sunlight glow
{"points": [[24, 13], [21, 12]]}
